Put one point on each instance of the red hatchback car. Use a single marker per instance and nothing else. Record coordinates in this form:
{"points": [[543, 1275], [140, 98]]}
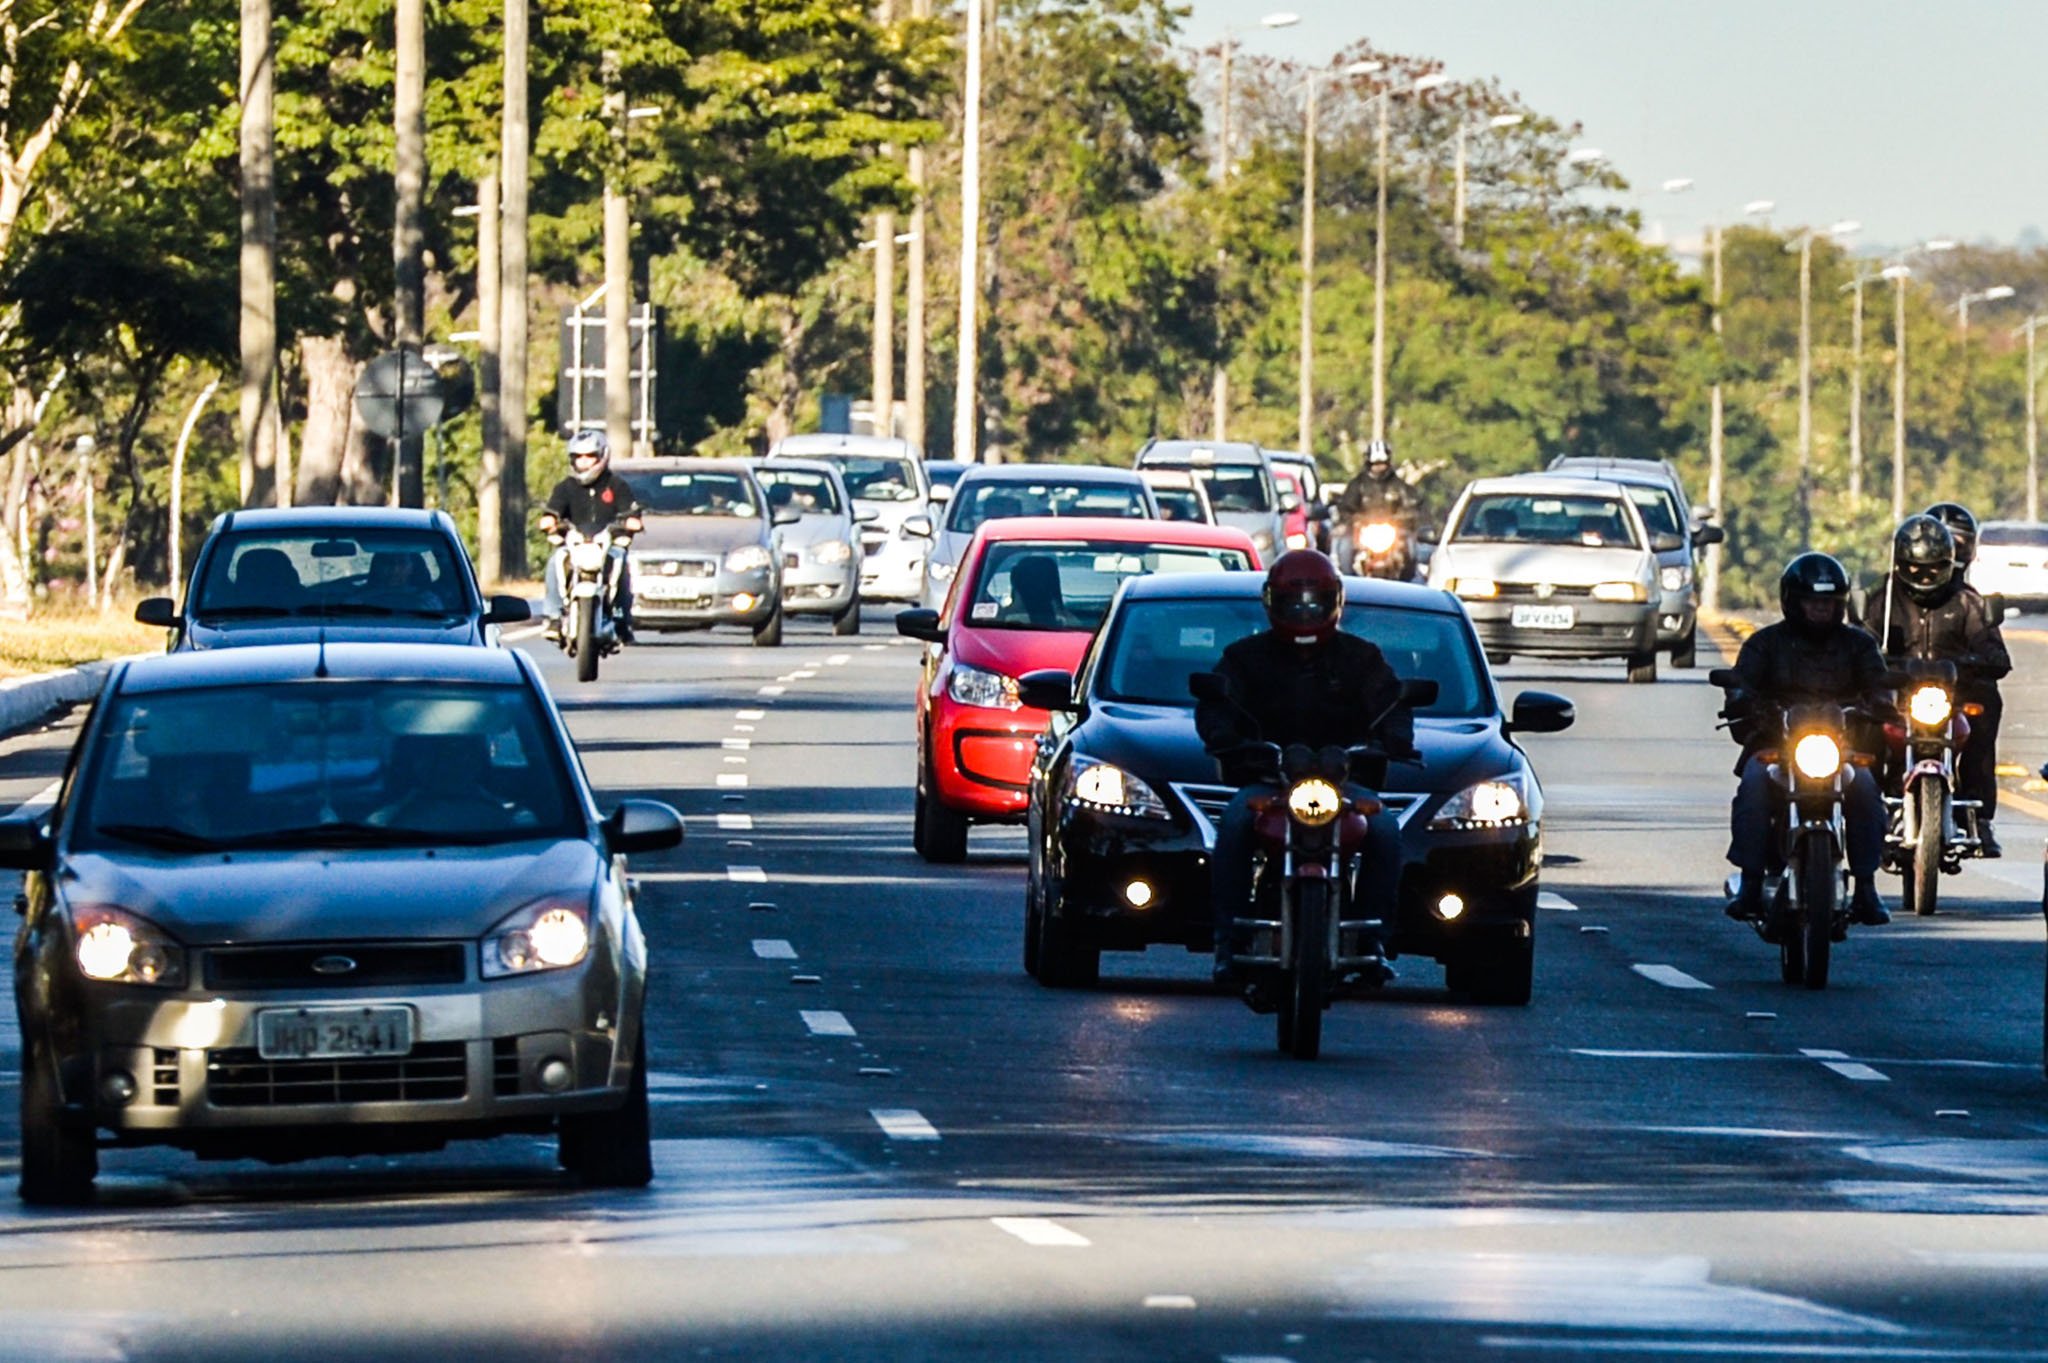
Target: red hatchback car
{"points": [[1029, 594]]}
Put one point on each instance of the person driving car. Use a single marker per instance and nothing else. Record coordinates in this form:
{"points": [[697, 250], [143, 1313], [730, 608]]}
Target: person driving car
{"points": [[1812, 655], [1303, 680], [592, 499]]}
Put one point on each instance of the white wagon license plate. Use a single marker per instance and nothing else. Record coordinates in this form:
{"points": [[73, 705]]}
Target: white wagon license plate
{"points": [[1541, 617], [332, 1033]]}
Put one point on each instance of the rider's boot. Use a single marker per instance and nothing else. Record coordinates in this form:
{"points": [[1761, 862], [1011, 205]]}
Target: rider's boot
{"points": [[1987, 841], [1866, 906], [623, 627], [1748, 904], [551, 628]]}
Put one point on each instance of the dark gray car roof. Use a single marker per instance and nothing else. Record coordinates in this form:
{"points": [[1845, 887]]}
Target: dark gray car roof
{"points": [[300, 662]]}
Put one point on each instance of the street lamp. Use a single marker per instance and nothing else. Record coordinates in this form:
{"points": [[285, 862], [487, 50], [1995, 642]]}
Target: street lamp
{"points": [[1855, 286], [2028, 327], [1497, 123], [1422, 85], [1804, 245], [1898, 274], [1996, 293], [1710, 586], [1306, 380]]}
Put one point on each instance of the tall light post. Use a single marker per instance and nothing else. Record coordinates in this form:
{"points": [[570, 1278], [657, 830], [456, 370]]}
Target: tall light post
{"points": [[1996, 293], [1422, 85], [1497, 123], [913, 291], [1855, 287], [2028, 328], [1219, 383], [882, 397], [1804, 245], [1304, 434], [1717, 445], [1898, 274], [966, 396]]}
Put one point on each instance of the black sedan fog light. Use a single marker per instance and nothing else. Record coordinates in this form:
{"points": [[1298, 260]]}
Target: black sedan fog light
{"points": [[1451, 907], [1140, 894], [117, 1088], [556, 1075]]}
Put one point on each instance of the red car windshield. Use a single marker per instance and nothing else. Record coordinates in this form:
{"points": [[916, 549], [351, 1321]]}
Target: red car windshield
{"points": [[1069, 585]]}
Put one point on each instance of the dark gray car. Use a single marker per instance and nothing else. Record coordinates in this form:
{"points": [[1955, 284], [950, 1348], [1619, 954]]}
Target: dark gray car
{"points": [[1240, 482], [329, 899], [711, 552]]}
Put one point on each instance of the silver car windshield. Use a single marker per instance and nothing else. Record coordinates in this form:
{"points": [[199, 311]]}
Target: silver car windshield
{"points": [[997, 500], [800, 489], [698, 494], [878, 480], [1157, 645], [1588, 521], [403, 574], [325, 764]]}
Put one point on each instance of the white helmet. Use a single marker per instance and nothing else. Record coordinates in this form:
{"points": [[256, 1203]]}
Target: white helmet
{"points": [[589, 444]]}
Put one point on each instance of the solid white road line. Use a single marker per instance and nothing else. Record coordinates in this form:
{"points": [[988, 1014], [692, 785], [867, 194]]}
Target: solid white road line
{"points": [[1840, 1063], [1036, 1230], [903, 1123], [825, 1022], [736, 823], [746, 875], [1556, 903], [732, 780], [750, 714], [1254, 1358], [774, 949], [1569, 1345], [1670, 976]]}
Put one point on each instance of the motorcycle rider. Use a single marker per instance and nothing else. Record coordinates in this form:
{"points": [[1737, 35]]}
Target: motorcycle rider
{"points": [[1813, 655], [1301, 681], [592, 499], [1376, 493], [1977, 766]]}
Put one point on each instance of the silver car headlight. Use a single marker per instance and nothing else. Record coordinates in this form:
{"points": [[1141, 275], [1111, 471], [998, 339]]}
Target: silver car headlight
{"points": [[115, 946], [1675, 579], [548, 934], [1095, 784], [971, 685], [832, 553], [1501, 802], [940, 572], [748, 558]]}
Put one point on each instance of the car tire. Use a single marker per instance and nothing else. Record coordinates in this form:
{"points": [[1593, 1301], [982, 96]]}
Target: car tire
{"points": [[58, 1162], [768, 634], [1063, 962], [1500, 975], [938, 833], [847, 622], [1685, 653], [1642, 668], [613, 1149]]}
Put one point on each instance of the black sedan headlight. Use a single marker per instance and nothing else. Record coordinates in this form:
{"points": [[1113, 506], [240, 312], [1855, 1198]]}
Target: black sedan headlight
{"points": [[1103, 786], [549, 934], [1498, 802], [114, 946]]}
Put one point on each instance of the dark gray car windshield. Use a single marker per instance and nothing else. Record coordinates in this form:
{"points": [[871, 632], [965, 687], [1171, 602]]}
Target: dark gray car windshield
{"points": [[697, 494], [1156, 646], [1004, 499], [402, 575], [325, 764], [1232, 487]]}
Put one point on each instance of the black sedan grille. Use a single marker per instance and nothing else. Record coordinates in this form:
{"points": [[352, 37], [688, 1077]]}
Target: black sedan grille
{"points": [[344, 965], [1207, 803], [435, 1072]]}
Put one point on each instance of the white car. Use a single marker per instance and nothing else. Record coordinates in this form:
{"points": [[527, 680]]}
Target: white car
{"points": [[2012, 562], [886, 477]]}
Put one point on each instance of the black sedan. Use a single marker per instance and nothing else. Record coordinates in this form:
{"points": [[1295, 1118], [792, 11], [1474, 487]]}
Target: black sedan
{"points": [[1124, 799], [342, 573], [309, 900]]}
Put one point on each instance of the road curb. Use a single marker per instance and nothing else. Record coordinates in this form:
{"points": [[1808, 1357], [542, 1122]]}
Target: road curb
{"points": [[25, 701]]}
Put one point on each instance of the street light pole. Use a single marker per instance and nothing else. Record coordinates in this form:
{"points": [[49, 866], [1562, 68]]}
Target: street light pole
{"points": [[1898, 274], [2033, 421], [966, 406], [1806, 237], [913, 301], [1304, 417], [1379, 282], [1855, 286], [882, 399], [618, 270], [1710, 590]]}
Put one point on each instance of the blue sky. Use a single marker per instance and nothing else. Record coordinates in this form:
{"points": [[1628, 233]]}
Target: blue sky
{"points": [[1918, 119]]}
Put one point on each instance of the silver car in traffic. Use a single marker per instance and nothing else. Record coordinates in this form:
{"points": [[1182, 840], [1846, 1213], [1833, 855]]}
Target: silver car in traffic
{"points": [[885, 476], [821, 551]]}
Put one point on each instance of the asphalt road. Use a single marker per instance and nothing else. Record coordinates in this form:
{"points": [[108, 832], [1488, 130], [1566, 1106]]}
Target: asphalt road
{"points": [[877, 1139]]}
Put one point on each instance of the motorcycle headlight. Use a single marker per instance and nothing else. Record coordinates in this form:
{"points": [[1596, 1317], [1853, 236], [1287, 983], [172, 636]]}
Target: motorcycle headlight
{"points": [[1101, 785], [832, 553], [1475, 588], [1674, 578], [1620, 591], [1817, 756], [748, 558], [547, 935], [971, 685], [1314, 802], [587, 557], [1379, 537], [1498, 803], [118, 947], [1930, 706]]}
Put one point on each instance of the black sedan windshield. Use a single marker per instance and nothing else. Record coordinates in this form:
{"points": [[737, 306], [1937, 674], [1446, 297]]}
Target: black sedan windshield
{"points": [[1158, 645], [403, 574], [325, 764]]}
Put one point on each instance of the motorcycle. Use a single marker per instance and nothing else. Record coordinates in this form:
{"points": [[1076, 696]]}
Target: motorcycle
{"points": [[589, 592], [1313, 936], [1930, 831], [1382, 549], [1806, 901]]}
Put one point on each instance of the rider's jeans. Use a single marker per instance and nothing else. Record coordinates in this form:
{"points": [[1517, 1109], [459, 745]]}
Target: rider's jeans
{"points": [[1757, 798], [622, 595], [1230, 872]]}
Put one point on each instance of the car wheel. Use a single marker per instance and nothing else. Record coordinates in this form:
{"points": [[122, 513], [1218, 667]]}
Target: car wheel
{"points": [[1503, 973], [1685, 653], [58, 1163], [768, 634], [613, 1149], [1063, 962], [1642, 668], [938, 833], [847, 622]]}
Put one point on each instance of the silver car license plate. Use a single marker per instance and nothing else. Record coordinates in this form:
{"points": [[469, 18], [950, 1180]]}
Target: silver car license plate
{"points": [[662, 589], [1541, 617], [333, 1033]]}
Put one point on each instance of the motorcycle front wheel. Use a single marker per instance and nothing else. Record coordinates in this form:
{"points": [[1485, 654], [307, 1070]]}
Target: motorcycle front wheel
{"points": [[1923, 877], [1301, 1003], [586, 639], [1818, 886]]}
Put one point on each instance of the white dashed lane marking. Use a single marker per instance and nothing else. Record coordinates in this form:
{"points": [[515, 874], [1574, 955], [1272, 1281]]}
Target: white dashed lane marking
{"points": [[826, 1022], [746, 875], [737, 744], [774, 949], [871, 648], [736, 823], [1670, 976], [750, 714], [1039, 1232], [732, 780], [772, 690], [903, 1123], [736, 760], [1556, 903], [839, 660], [1841, 1064], [1169, 1301]]}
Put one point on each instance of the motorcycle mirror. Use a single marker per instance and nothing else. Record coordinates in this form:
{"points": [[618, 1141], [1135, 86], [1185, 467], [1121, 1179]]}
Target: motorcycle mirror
{"points": [[1724, 677], [920, 624], [643, 826], [25, 844], [1541, 712], [1703, 535], [158, 610], [508, 610], [1426, 535], [1208, 686], [1419, 692], [1047, 689]]}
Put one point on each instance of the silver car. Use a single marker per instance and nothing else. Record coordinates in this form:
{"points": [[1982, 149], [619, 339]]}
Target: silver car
{"points": [[711, 553], [1240, 483], [994, 492], [886, 477], [1553, 567], [1678, 530], [821, 552], [312, 900]]}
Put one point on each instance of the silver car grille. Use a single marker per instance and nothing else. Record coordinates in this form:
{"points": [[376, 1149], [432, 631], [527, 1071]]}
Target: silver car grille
{"points": [[1207, 803], [675, 565]]}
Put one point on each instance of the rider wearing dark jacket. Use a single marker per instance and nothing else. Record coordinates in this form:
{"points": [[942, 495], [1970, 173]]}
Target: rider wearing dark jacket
{"points": [[1377, 493], [1811, 656], [1977, 683], [1302, 681], [592, 499]]}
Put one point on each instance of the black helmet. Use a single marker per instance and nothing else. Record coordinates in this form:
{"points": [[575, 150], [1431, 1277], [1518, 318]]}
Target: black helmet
{"points": [[1812, 577], [1379, 458], [1924, 556], [1962, 525]]}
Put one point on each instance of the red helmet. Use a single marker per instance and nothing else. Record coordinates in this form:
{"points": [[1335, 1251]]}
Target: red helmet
{"points": [[1304, 596]]}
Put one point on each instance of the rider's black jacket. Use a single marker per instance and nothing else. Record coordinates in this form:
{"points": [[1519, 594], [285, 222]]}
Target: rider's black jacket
{"points": [[1956, 627], [1368, 498], [1783, 664], [1324, 694], [594, 507]]}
